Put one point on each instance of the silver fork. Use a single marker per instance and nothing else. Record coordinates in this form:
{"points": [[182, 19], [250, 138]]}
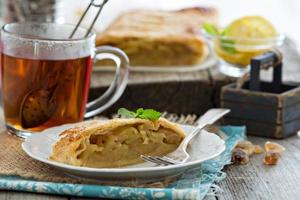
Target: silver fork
{"points": [[180, 155]]}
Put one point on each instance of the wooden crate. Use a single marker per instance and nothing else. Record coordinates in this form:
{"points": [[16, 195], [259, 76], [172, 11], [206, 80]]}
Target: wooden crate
{"points": [[264, 114], [268, 109]]}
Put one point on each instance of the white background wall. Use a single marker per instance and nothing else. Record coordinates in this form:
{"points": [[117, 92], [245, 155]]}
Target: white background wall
{"points": [[284, 14]]}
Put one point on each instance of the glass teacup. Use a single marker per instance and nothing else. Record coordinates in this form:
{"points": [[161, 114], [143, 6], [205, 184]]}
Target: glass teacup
{"points": [[45, 76]]}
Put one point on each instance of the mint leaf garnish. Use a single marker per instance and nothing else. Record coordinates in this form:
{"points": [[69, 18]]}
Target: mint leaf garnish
{"points": [[149, 114], [211, 29], [123, 112], [141, 113], [225, 31], [226, 44]]}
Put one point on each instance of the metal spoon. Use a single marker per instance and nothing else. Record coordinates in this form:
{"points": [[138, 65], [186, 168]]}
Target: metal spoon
{"points": [[100, 6]]}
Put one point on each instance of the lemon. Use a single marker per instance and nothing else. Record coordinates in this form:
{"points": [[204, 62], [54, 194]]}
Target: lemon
{"points": [[254, 27], [241, 59], [245, 34]]}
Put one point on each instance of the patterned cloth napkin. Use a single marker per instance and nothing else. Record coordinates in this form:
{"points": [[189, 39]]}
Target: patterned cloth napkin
{"points": [[194, 184]]}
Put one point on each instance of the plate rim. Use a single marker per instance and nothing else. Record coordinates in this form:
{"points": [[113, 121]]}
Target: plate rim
{"points": [[209, 62], [121, 170]]}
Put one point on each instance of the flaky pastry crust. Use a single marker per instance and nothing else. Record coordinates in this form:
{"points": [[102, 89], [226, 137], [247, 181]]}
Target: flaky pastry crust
{"points": [[160, 38], [100, 144]]}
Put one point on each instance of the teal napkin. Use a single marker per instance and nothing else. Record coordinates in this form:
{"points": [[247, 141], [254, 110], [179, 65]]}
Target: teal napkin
{"points": [[194, 184]]}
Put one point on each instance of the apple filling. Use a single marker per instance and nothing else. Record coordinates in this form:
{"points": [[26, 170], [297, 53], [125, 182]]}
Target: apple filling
{"points": [[124, 145], [143, 52]]}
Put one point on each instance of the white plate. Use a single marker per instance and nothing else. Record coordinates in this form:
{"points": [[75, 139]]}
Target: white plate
{"points": [[204, 147], [210, 61]]}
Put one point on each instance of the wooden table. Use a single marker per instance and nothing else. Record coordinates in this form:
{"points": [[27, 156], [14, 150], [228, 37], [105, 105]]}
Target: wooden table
{"points": [[194, 93], [251, 181]]}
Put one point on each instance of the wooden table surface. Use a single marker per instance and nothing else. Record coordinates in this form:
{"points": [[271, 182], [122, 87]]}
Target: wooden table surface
{"points": [[194, 93], [252, 181]]}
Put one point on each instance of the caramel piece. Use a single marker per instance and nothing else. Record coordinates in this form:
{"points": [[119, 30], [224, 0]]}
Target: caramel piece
{"points": [[271, 158], [247, 146], [258, 149], [240, 156], [273, 153], [272, 146]]}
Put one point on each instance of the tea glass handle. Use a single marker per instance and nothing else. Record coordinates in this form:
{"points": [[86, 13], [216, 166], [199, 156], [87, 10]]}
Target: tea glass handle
{"points": [[117, 87]]}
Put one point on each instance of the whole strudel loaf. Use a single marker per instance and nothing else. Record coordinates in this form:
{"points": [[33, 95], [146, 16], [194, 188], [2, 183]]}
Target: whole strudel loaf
{"points": [[158, 38]]}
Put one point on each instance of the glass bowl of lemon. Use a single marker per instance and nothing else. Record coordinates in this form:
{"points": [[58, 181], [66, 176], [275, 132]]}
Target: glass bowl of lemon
{"points": [[240, 41]]}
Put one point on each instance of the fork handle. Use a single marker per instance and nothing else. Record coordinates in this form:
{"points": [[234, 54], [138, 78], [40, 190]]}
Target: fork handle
{"points": [[209, 117]]}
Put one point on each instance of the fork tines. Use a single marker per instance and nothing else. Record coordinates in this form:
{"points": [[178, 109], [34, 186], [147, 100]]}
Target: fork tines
{"points": [[160, 160]]}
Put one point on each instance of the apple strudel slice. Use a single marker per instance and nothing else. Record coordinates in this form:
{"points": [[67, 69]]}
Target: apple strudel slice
{"points": [[116, 143]]}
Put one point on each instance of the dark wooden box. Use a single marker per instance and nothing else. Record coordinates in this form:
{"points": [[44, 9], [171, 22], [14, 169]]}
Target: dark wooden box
{"points": [[267, 114], [268, 109]]}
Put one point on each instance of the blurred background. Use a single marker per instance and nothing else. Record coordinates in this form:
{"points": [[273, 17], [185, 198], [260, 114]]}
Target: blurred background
{"points": [[284, 14]]}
